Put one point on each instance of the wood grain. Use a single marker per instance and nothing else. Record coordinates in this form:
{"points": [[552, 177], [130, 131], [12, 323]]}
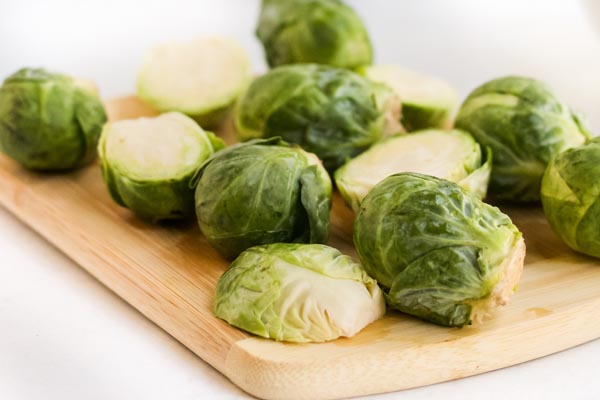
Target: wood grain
{"points": [[168, 272]]}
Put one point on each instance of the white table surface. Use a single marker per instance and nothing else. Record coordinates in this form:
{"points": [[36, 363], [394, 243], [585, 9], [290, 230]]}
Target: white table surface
{"points": [[65, 336]]}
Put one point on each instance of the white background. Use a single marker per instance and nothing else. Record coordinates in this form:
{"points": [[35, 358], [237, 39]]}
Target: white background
{"points": [[65, 336]]}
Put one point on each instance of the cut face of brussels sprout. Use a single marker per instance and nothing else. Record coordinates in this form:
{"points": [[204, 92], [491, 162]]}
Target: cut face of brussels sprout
{"points": [[427, 102], [511, 268], [313, 31], [48, 121], [525, 125], [438, 251], [571, 197], [452, 155], [260, 192], [200, 78], [298, 293], [331, 112], [147, 163]]}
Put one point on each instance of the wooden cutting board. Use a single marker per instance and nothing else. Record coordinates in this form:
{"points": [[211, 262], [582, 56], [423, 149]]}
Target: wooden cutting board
{"points": [[169, 273]]}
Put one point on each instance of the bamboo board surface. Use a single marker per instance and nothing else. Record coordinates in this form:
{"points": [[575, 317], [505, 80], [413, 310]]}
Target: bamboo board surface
{"points": [[169, 273]]}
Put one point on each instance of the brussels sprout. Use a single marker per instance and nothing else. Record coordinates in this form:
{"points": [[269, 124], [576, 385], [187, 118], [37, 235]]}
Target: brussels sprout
{"points": [[298, 293], [438, 251], [331, 112], [200, 78], [49, 121], [571, 197], [313, 31], [260, 192], [427, 102], [148, 163], [452, 155], [525, 125]]}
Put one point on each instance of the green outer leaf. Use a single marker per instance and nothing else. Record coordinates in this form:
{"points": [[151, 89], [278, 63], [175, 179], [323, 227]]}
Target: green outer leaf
{"points": [[315, 195], [216, 142], [251, 194], [154, 200], [331, 112], [477, 181], [525, 125], [570, 197], [582, 123], [258, 293], [110, 180], [310, 31], [434, 287], [417, 116], [435, 247], [47, 122], [274, 141], [90, 116]]}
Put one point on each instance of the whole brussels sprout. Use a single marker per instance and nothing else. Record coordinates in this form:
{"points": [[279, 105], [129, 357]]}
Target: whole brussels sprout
{"points": [[148, 163], [438, 251], [427, 102], [571, 197], [452, 155], [262, 191], [525, 125], [201, 78], [49, 121], [313, 31], [298, 293], [331, 112]]}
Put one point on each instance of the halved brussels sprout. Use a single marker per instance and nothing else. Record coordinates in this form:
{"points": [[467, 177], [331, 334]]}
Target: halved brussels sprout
{"points": [[438, 251], [200, 78], [313, 31], [452, 155], [298, 293], [49, 121], [525, 125], [147, 163], [571, 197], [427, 102], [262, 191], [332, 112]]}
